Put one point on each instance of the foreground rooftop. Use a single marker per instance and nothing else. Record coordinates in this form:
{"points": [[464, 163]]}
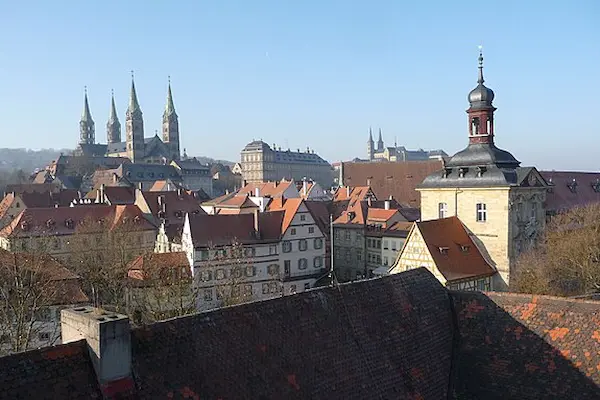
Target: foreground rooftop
{"points": [[399, 337]]}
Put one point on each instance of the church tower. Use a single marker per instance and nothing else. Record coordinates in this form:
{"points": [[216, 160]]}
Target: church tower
{"points": [[134, 124], [498, 201], [87, 130], [370, 147], [380, 143], [113, 126], [170, 127]]}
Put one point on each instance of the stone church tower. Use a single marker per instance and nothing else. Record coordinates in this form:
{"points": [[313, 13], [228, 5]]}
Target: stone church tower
{"points": [[134, 124], [170, 127], [370, 146], [87, 130], [380, 142], [113, 126], [500, 203]]}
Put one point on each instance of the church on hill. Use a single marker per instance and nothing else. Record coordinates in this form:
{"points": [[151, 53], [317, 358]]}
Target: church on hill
{"points": [[136, 147]]}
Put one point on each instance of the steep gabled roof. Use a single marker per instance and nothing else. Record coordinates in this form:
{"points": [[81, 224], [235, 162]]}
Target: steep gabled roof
{"points": [[455, 254], [223, 230], [114, 194], [177, 204], [267, 189], [396, 179], [289, 207]]}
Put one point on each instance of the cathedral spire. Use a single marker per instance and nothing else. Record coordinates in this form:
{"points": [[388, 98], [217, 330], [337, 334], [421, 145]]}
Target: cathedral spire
{"points": [[380, 142], [170, 107], [170, 126], [113, 126], [370, 135], [87, 131], [133, 100]]}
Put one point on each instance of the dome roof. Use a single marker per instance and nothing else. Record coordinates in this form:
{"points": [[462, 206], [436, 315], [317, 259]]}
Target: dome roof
{"points": [[481, 97]]}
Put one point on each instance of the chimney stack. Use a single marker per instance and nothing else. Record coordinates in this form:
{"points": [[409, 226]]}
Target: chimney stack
{"points": [[256, 224], [304, 186], [369, 201], [244, 183], [108, 340], [347, 191], [140, 185], [369, 182], [179, 192], [256, 192], [386, 204]]}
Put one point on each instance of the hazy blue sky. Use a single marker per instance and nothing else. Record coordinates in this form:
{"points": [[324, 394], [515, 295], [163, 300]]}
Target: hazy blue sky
{"points": [[315, 73]]}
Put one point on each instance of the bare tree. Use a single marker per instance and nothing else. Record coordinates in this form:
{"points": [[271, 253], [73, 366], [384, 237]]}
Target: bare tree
{"points": [[567, 261], [160, 291], [234, 261], [30, 284], [100, 253]]}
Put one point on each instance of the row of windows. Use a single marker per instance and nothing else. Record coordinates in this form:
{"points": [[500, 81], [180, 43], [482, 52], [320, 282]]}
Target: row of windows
{"points": [[239, 291], [374, 243], [311, 229], [250, 271], [302, 245]]}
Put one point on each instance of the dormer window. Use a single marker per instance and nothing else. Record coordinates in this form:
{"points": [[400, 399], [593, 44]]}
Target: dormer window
{"points": [[572, 186], [25, 225], [462, 172], [464, 248], [446, 172], [178, 213], [480, 171], [69, 223], [50, 223], [443, 250]]}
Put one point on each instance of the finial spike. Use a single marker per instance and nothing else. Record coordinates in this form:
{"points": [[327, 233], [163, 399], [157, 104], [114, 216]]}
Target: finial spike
{"points": [[131, 74], [112, 92], [169, 79], [480, 79], [85, 90]]}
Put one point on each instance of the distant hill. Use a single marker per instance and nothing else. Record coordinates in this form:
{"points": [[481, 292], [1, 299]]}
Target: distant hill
{"points": [[28, 160], [208, 160]]}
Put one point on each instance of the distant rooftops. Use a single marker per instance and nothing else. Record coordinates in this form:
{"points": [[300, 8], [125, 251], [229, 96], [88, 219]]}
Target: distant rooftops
{"points": [[285, 156]]}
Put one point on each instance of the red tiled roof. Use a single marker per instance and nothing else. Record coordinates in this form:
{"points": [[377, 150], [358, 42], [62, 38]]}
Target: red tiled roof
{"points": [[64, 288], [65, 220], [223, 230], [161, 260], [399, 229], [288, 206], [380, 214], [177, 204], [266, 189], [453, 262], [561, 197], [352, 193], [396, 179]]}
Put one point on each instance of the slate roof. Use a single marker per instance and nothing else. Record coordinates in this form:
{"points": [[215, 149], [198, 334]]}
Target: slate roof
{"points": [[323, 344], [455, 254], [396, 179], [114, 194], [402, 336], [563, 195], [49, 199], [177, 204]]}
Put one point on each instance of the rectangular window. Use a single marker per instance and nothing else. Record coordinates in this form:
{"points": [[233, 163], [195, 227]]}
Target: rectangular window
{"points": [[302, 263], [207, 294], [318, 262], [393, 245], [443, 210], [206, 276], [302, 217], [287, 246], [203, 255], [43, 336], [385, 261], [302, 244], [306, 286], [293, 231], [272, 249], [385, 244], [220, 274], [347, 235], [273, 269], [287, 267], [481, 212], [250, 271], [311, 229], [358, 255], [265, 288], [318, 243], [247, 290]]}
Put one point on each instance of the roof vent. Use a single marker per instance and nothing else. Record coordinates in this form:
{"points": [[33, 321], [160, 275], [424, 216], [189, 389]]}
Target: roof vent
{"points": [[443, 250], [25, 225], [596, 186]]}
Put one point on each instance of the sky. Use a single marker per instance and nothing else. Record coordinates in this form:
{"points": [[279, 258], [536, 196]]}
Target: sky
{"points": [[314, 73]]}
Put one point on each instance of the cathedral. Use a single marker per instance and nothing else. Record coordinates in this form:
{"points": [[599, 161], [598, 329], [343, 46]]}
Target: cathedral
{"points": [[136, 147]]}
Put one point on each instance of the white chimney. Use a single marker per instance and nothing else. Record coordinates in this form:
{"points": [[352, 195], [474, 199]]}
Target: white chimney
{"points": [[257, 192], [369, 201], [256, 223], [108, 340], [347, 191], [304, 187], [386, 204]]}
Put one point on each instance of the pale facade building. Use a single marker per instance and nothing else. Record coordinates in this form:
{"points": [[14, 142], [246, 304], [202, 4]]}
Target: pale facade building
{"points": [[261, 163], [499, 202]]}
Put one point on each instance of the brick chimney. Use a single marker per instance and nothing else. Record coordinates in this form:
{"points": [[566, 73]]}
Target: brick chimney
{"points": [[108, 340], [256, 224]]}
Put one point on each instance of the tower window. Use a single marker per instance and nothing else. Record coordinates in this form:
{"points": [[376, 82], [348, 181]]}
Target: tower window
{"points": [[481, 215], [443, 210]]}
